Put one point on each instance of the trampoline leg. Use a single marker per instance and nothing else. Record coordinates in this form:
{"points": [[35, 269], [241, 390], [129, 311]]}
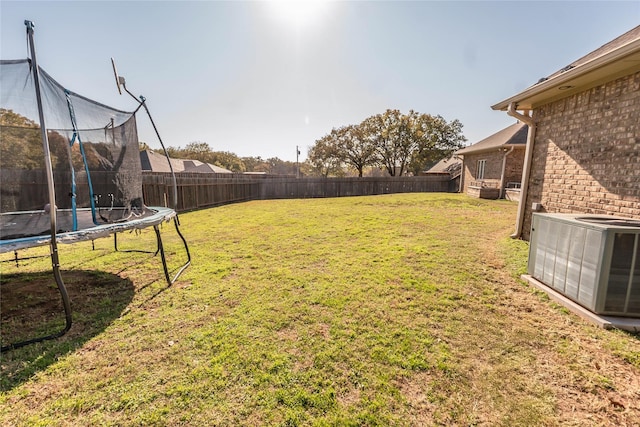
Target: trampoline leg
{"points": [[176, 222], [171, 280], [65, 302], [162, 255]]}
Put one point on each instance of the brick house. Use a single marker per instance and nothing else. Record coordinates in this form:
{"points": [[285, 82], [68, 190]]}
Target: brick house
{"points": [[583, 143], [492, 167]]}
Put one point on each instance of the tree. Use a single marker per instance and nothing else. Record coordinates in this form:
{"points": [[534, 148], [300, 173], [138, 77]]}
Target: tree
{"points": [[175, 152], [21, 142], [443, 140], [277, 166], [198, 150], [201, 151], [306, 169], [385, 134], [255, 164], [355, 147], [227, 160], [324, 155], [410, 141], [397, 142]]}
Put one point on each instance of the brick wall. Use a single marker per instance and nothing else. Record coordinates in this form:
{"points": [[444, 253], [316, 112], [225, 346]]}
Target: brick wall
{"points": [[514, 166], [492, 170], [493, 167], [586, 156]]}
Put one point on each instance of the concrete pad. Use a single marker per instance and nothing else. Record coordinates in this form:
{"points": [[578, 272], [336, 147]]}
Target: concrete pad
{"points": [[607, 322]]}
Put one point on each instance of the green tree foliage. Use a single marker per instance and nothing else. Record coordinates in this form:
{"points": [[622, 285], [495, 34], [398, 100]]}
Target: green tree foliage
{"points": [[442, 140], [387, 135], [20, 142], [397, 142], [228, 160], [201, 151], [276, 166], [272, 165], [305, 168], [174, 152], [255, 164], [324, 156], [356, 148]]}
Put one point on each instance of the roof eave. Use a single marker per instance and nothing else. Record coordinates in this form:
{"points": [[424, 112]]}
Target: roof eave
{"points": [[490, 149], [613, 64]]}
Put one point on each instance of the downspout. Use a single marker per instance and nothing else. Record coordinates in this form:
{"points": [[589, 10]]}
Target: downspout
{"points": [[528, 156], [504, 168], [461, 184]]}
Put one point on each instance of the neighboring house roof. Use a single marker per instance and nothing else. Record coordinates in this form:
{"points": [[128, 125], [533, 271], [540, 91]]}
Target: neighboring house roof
{"points": [[512, 136], [201, 167], [449, 165], [151, 161], [156, 162], [619, 57]]}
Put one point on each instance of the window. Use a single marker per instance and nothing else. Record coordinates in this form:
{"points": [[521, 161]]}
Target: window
{"points": [[480, 169]]}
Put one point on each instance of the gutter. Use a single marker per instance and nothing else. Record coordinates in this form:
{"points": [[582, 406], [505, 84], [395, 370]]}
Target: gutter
{"points": [[461, 183], [566, 77], [528, 156]]}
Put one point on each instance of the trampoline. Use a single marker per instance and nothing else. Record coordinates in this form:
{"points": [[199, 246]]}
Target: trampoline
{"points": [[70, 171]]}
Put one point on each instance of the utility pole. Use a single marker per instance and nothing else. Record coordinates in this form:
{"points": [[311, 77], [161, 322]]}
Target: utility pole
{"points": [[297, 162]]}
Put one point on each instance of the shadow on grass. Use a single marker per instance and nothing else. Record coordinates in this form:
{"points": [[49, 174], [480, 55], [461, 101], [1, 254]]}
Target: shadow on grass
{"points": [[31, 306]]}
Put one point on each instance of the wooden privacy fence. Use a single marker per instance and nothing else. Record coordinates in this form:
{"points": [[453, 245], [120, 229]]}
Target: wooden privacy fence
{"points": [[196, 190], [292, 188]]}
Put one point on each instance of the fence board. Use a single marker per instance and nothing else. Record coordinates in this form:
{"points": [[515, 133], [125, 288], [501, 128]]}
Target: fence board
{"points": [[196, 191]]}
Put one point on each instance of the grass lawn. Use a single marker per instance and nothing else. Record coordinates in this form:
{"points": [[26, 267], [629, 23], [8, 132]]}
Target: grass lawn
{"points": [[386, 310]]}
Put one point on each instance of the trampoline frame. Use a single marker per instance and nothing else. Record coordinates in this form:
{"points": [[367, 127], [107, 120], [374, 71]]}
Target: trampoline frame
{"points": [[160, 215]]}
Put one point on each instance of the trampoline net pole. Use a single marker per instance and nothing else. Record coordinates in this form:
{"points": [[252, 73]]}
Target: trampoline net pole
{"points": [[52, 206], [55, 261], [45, 139]]}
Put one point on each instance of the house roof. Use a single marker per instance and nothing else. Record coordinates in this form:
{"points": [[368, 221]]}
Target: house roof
{"points": [[156, 162], [512, 136], [201, 167], [446, 165], [151, 161], [617, 58]]}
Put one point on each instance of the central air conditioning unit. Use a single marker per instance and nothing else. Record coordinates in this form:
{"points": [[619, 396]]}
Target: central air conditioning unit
{"points": [[593, 260]]}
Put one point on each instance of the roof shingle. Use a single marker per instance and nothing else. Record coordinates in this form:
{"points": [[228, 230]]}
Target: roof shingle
{"points": [[514, 135]]}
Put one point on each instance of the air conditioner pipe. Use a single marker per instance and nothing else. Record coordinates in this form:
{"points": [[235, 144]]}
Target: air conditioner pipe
{"points": [[528, 156]]}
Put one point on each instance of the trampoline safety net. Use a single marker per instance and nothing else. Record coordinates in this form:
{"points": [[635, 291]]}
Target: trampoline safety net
{"points": [[94, 156]]}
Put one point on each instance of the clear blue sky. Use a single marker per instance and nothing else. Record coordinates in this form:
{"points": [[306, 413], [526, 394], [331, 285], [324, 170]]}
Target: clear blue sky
{"points": [[256, 79]]}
